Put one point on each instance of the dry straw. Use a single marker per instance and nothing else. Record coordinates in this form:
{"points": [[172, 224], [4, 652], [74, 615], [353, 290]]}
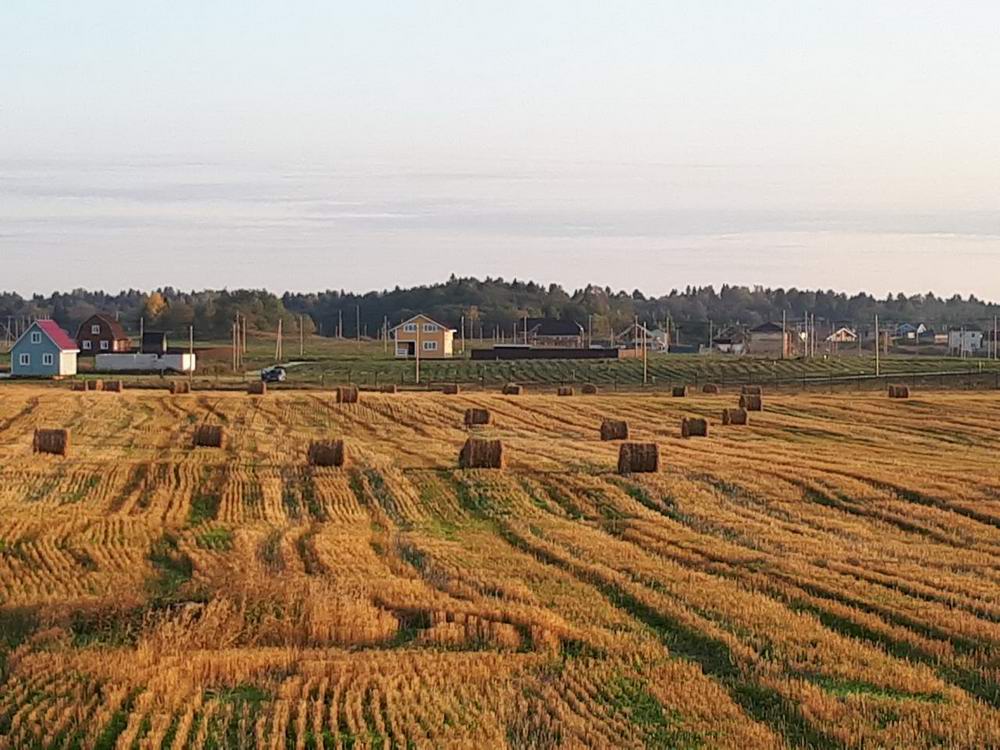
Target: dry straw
{"points": [[478, 453], [564, 390], [347, 394], [326, 453], [257, 388], [899, 391], [735, 417], [614, 429], [208, 436], [710, 388], [694, 427], [179, 386], [680, 391], [634, 458], [452, 389], [588, 389], [474, 417], [512, 389], [55, 442], [751, 402]]}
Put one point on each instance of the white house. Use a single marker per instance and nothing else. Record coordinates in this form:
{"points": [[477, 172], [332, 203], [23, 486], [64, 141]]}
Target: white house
{"points": [[963, 343]]}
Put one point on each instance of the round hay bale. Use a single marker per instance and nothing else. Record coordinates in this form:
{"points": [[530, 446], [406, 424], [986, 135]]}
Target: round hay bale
{"points": [[114, 386], [614, 429], [94, 385], [751, 390], [565, 390], [899, 391], [710, 388], [635, 458], [751, 402], [257, 388], [208, 436], [347, 394], [80, 385], [694, 427], [588, 389], [390, 388], [451, 389], [478, 453], [735, 417], [326, 453], [477, 417], [512, 389], [680, 391], [55, 442], [178, 387]]}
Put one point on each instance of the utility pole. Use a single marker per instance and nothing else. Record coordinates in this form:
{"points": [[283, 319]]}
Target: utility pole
{"points": [[358, 324], [710, 335], [417, 350], [645, 368], [463, 334], [784, 333], [340, 324], [385, 334], [302, 339], [590, 330], [878, 346], [277, 344], [190, 354]]}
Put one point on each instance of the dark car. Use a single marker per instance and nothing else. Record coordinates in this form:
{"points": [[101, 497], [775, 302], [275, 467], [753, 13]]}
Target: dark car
{"points": [[273, 375]]}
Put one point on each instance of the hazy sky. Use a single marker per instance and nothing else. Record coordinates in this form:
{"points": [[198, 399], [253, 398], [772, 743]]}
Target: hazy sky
{"points": [[313, 145]]}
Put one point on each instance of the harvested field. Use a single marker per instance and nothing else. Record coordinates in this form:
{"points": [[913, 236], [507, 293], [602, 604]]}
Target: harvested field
{"points": [[825, 577]]}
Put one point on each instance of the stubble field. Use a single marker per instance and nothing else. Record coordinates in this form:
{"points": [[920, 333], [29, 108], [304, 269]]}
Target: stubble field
{"points": [[827, 577]]}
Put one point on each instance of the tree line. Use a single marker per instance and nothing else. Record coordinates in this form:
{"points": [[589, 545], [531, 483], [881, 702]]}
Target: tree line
{"points": [[489, 305]]}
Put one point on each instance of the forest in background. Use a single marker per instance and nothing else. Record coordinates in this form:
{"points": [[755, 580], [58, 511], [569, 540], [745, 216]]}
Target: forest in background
{"points": [[490, 303]]}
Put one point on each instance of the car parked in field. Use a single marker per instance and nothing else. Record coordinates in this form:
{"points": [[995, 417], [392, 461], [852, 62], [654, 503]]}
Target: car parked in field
{"points": [[274, 374]]}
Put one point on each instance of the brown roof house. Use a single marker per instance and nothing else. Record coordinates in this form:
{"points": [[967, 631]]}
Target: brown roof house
{"points": [[100, 334], [771, 340]]}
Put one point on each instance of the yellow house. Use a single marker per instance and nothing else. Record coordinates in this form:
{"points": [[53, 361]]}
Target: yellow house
{"points": [[434, 339]]}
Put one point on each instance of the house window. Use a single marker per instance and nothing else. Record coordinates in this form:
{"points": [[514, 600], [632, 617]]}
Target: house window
{"points": [[25, 360], [87, 346], [430, 346], [36, 337], [430, 327], [48, 360], [410, 327], [95, 330], [104, 346]]}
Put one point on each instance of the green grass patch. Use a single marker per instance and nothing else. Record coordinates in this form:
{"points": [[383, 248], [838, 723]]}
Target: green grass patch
{"points": [[217, 538], [663, 729]]}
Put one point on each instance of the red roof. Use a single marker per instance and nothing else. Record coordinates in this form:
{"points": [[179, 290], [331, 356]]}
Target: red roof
{"points": [[59, 337]]}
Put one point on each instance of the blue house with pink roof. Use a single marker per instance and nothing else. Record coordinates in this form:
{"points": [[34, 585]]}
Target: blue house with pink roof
{"points": [[44, 351]]}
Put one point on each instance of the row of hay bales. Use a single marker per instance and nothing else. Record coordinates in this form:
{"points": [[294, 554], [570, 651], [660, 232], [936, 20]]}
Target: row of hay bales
{"points": [[110, 386]]}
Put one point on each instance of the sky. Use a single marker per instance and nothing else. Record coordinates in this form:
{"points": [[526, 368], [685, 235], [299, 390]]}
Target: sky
{"points": [[302, 145]]}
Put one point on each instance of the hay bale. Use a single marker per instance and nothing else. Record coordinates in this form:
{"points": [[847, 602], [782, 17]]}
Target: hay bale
{"points": [[751, 390], [391, 388], [589, 389], [512, 389], [115, 386], [694, 427], [481, 454], [451, 389], [55, 442], [80, 385], [257, 388], [565, 390], [614, 429], [94, 385], [179, 386], [751, 402], [347, 394], [711, 388], [208, 436], [899, 391], [326, 453], [735, 417], [475, 417], [634, 458], [680, 391]]}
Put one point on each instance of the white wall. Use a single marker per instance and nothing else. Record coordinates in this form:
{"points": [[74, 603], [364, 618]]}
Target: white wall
{"points": [[145, 362]]}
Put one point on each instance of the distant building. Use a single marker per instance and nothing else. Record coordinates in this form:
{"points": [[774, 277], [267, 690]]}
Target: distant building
{"points": [[962, 343], [169, 361], [436, 341], [100, 334], [552, 332], [843, 335], [43, 351], [770, 340], [730, 341]]}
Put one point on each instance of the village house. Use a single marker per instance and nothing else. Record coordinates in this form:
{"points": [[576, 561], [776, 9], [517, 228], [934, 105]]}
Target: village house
{"points": [[435, 339], [101, 334], [44, 350], [730, 341], [964, 343], [843, 335], [770, 340], [552, 332]]}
